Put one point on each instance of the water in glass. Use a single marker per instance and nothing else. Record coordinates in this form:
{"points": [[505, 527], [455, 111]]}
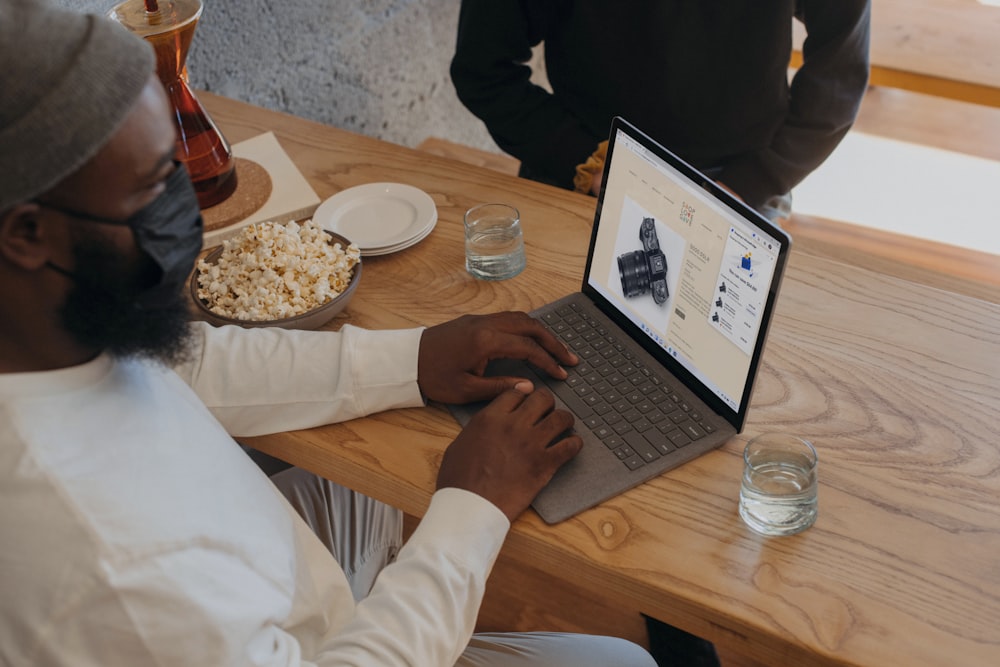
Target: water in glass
{"points": [[494, 244], [778, 493]]}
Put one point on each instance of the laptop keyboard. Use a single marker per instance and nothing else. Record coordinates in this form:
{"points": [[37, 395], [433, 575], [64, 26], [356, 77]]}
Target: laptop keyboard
{"points": [[632, 409]]}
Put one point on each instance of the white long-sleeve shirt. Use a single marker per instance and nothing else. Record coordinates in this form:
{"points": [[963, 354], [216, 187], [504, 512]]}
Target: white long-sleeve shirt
{"points": [[135, 531]]}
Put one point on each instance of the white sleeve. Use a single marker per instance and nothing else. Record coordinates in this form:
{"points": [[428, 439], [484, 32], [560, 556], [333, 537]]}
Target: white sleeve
{"points": [[265, 380], [423, 607], [205, 604]]}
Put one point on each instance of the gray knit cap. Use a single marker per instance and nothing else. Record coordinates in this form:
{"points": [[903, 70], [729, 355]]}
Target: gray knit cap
{"points": [[67, 82]]}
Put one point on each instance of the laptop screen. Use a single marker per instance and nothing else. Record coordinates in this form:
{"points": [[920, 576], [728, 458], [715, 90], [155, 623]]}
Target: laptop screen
{"points": [[693, 272]]}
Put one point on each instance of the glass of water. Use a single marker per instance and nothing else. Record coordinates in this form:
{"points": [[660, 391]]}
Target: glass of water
{"points": [[778, 495], [494, 245]]}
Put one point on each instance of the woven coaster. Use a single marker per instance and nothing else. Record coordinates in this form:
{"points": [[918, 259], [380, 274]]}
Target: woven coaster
{"points": [[253, 189]]}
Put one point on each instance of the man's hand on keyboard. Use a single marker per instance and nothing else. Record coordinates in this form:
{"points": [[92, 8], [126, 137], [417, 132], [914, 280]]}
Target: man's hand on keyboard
{"points": [[453, 356], [504, 454]]}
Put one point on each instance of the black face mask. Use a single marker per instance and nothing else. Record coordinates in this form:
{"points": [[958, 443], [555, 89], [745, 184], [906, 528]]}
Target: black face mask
{"points": [[168, 231]]}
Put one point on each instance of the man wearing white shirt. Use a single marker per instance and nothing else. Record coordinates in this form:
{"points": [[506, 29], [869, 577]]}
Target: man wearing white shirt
{"points": [[135, 530]]}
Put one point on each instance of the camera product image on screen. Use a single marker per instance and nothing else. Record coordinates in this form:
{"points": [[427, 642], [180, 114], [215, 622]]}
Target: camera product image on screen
{"points": [[645, 270]]}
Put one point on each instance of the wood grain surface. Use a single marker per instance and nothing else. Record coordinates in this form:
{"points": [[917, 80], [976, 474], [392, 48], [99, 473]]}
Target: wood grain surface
{"points": [[894, 381], [947, 48]]}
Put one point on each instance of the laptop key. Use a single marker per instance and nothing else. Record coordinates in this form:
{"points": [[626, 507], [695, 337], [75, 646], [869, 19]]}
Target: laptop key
{"points": [[655, 416], [622, 428], [632, 415], [678, 438], [642, 425], [611, 417], [693, 431], [592, 422], [613, 442], [662, 445], [603, 432], [603, 409], [634, 462], [642, 447]]}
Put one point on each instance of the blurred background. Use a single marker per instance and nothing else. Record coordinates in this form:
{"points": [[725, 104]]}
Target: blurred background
{"points": [[377, 67]]}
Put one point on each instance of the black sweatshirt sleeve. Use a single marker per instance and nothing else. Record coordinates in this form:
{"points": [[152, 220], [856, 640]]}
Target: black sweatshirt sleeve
{"points": [[825, 95], [495, 38]]}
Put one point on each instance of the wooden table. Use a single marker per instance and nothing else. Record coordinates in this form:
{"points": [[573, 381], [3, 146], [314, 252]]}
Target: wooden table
{"points": [[897, 383], [949, 48]]}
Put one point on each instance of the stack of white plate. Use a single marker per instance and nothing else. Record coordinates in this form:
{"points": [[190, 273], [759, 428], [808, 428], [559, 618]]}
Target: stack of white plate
{"points": [[379, 218]]}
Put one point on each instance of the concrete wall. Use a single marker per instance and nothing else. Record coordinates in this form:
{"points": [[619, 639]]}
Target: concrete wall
{"points": [[377, 67]]}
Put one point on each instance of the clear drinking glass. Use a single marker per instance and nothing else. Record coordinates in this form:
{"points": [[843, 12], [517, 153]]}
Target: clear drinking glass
{"points": [[494, 244], [778, 495]]}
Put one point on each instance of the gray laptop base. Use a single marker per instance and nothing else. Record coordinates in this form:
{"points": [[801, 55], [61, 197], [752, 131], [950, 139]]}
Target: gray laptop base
{"points": [[660, 424]]}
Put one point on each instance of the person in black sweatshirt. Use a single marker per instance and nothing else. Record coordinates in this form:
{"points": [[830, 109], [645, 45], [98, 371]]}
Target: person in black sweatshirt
{"points": [[709, 80]]}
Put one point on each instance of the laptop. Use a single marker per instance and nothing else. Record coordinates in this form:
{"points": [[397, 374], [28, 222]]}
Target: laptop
{"points": [[678, 293]]}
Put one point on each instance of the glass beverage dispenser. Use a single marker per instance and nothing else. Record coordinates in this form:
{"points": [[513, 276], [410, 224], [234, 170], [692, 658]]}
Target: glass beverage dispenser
{"points": [[169, 26]]}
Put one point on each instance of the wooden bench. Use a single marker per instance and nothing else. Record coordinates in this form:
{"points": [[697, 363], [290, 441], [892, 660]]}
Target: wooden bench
{"points": [[948, 48]]}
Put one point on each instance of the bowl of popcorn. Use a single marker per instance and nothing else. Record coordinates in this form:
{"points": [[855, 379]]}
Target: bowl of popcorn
{"points": [[293, 276]]}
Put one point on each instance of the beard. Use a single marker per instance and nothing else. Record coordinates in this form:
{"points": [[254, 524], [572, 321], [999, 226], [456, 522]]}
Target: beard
{"points": [[101, 312]]}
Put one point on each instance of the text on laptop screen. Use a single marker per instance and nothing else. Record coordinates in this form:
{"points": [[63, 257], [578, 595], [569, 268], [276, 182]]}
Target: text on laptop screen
{"points": [[693, 275]]}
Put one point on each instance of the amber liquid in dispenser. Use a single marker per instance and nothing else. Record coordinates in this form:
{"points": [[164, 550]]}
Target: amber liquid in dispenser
{"points": [[169, 25]]}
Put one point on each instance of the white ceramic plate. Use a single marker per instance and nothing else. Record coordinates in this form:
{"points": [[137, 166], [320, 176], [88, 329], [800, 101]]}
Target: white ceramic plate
{"points": [[400, 246], [378, 216]]}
